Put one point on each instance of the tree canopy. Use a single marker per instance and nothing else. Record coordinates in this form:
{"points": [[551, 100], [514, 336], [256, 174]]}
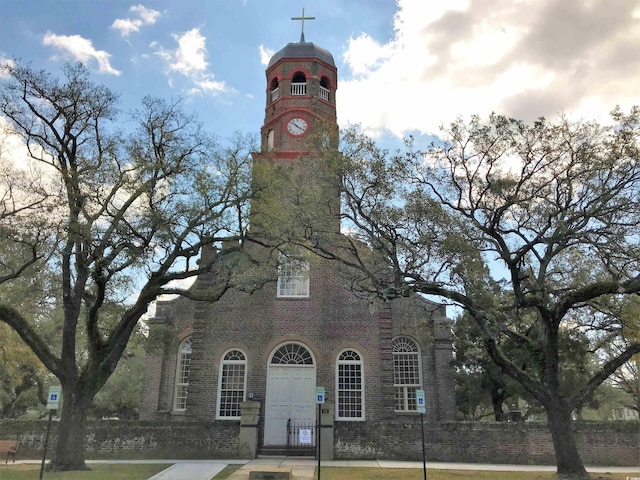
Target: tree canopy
{"points": [[531, 229], [115, 215]]}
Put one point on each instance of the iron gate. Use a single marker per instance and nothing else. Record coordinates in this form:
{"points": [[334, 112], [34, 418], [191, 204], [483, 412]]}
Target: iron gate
{"points": [[301, 438]]}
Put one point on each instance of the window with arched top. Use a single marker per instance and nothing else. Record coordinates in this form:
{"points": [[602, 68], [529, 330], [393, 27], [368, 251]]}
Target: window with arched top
{"points": [[292, 354], [182, 375], [274, 89], [299, 84], [232, 384], [271, 135], [407, 377], [349, 386], [325, 86]]}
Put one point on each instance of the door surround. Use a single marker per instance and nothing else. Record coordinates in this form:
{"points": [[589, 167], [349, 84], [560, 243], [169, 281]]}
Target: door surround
{"points": [[291, 378]]}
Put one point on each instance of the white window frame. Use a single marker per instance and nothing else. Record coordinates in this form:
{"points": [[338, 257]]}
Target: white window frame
{"points": [[293, 277], [183, 366], [405, 390], [224, 362], [292, 354], [271, 138], [338, 390]]}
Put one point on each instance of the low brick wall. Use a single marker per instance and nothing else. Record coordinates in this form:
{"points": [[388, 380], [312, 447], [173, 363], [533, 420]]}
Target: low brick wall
{"points": [[615, 443], [134, 439]]}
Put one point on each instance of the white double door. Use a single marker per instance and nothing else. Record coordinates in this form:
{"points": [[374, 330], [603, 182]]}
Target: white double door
{"points": [[290, 395]]}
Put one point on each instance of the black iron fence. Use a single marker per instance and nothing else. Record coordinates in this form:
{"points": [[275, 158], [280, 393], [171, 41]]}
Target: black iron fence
{"points": [[301, 437]]}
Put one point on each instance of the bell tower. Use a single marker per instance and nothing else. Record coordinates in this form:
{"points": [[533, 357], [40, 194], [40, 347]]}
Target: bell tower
{"points": [[300, 114], [302, 79]]}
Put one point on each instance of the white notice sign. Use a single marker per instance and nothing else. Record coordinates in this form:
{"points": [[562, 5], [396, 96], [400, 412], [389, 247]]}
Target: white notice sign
{"points": [[305, 436]]}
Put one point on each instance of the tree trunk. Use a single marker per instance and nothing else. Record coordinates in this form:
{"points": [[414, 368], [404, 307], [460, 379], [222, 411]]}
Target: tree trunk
{"points": [[569, 463], [497, 400], [69, 453]]}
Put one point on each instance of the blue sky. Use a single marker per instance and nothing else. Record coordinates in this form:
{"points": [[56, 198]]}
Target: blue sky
{"points": [[404, 67]]}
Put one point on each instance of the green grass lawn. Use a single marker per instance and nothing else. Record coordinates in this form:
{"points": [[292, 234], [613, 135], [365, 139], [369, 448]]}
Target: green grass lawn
{"points": [[143, 472], [97, 472], [340, 473]]}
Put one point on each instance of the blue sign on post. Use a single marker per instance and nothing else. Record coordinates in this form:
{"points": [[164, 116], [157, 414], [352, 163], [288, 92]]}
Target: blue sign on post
{"points": [[53, 399], [320, 392], [420, 401]]}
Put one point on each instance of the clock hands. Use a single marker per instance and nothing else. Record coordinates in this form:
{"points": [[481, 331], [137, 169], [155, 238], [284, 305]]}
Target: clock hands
{"points": [[297, 125]]}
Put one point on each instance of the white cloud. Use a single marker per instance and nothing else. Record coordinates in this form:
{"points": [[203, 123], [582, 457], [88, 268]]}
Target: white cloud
{"points": [[364, 54], [190, 55], [189, 60], [126, 25], [520, 58], [146, 16], [5, 62], [28, 177], [211, 86], [79, 49], [265, 54], [13, 151]]}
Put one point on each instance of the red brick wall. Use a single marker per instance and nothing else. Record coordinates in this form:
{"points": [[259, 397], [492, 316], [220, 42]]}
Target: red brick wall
{"points": [[614, 443], [473, 442], [134, 439]]}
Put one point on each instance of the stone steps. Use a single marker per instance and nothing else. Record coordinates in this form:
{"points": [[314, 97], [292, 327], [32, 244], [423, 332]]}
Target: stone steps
{"points": [[274, 472], [271, 473]]}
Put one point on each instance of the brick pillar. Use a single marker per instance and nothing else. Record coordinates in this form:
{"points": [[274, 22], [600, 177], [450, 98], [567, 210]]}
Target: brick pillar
{"points": [[443, 345], [156, 344], [248, 441], [386, 359], [326, 424]]}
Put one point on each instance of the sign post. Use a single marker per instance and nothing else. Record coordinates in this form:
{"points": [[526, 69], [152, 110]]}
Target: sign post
{"points": [[422, 410], [320, 397], [53, 403]]}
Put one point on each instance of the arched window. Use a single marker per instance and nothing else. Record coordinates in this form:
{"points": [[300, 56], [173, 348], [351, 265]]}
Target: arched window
{"points": [[406, 373], [232, 386], [274, 89], [270, 139], [293, 277], [292, 354], [299, 84], [182, 375], [350, 386], [324, 88]]}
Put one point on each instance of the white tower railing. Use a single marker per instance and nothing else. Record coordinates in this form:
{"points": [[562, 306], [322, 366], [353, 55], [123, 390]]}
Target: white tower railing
{"points": [[299, 88]]}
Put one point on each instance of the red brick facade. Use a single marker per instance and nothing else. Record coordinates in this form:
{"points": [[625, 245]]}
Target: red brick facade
{"points": [[327, 321], [610, 443]]}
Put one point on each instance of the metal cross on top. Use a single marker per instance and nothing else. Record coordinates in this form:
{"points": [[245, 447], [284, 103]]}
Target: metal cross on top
{"points": [[302, 18]]}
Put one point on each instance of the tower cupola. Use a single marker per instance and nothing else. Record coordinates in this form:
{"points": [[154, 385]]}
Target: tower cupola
{"points": [[302, 80]]}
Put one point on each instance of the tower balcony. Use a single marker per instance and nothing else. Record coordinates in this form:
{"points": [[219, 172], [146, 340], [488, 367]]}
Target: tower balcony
{"points": [[324, 93], [298, 88]]}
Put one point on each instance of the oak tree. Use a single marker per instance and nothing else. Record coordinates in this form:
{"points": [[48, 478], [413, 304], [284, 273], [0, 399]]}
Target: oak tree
{"points": [[118, 207], [531, 229]]}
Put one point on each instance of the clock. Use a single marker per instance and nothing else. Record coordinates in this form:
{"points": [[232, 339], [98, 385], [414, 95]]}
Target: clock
{"points": [[297, 126]]}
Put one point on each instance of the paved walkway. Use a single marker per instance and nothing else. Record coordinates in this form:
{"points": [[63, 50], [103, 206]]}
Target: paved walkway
{"points": [[190, 471], [303, 468]]}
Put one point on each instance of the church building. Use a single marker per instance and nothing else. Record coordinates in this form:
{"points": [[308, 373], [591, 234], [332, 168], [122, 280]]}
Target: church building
{"points": [[275, 348]]}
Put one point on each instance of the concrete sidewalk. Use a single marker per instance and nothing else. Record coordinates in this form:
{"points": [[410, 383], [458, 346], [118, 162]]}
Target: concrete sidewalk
{"points": [[304, 468], [190, 471]]}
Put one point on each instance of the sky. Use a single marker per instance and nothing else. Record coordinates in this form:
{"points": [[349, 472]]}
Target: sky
{"points": [[404, 67]]}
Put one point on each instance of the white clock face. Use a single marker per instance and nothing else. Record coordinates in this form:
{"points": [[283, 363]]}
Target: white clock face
{"points": [[297, 126]]}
